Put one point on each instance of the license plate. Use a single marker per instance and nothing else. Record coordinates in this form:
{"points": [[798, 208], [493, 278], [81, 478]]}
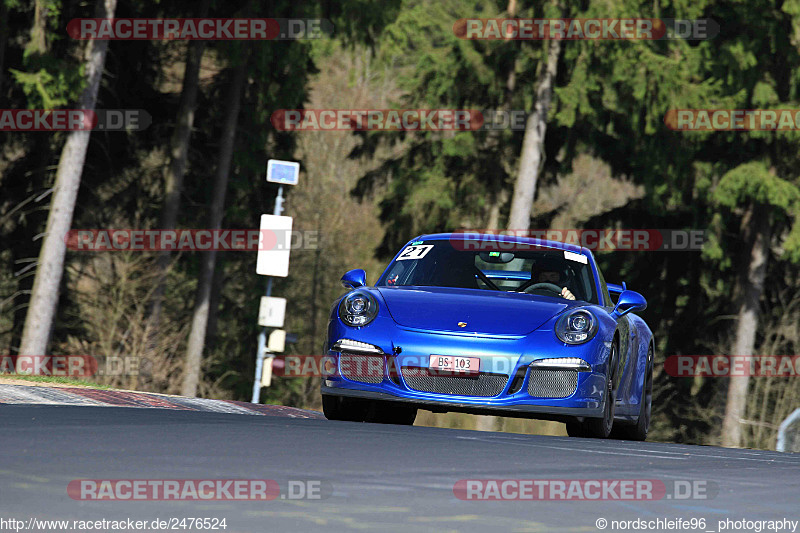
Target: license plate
{"points": [[457, 364]]}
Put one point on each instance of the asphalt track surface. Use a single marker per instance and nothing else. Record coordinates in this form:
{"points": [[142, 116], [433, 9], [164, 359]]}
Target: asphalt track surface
{"points": [[383, 478]]}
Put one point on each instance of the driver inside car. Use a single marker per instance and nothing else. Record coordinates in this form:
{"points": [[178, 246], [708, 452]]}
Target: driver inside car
{"points": [[546, 271]]}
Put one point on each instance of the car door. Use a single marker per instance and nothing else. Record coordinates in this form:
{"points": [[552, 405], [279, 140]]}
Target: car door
{"points": [[627, 342]]}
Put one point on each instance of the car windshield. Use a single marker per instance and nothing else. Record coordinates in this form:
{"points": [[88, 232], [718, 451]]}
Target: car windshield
{"points": [[534, 271]]}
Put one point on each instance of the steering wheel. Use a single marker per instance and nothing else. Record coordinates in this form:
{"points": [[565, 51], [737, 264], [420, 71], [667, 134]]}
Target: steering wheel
{"points": [[546, 286]]}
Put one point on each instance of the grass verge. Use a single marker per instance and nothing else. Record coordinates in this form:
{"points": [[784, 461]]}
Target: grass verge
{"points": [[54, 379]]}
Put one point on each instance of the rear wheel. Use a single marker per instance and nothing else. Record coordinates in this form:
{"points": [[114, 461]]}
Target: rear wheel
{"points": [[345, 409], [391, 413]]}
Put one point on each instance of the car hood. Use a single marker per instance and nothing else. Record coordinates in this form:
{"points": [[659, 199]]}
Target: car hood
{"points": [[485, 312]]}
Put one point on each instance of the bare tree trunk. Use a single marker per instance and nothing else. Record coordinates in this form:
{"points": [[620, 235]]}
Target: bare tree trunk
{"points": [[216, 294], [757, 234], [175, 170], [315, 282], [38, 42], [499, 200], [44, 298], [533, 143], [197, 336]]}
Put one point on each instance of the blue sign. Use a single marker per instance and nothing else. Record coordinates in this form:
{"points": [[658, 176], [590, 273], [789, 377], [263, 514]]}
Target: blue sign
{"points": [[283, 172]]}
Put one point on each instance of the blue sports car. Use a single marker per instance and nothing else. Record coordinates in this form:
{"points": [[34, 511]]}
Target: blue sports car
{"points": [[498, 325]]}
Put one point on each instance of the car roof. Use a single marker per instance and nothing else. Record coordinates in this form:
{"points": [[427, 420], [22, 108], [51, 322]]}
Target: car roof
{"points": [[498, 237]]}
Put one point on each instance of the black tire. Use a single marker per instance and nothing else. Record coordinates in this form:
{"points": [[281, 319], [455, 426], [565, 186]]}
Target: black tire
{"points": [[600, 428], [639, 430], [391, 413], [345, 409], [576, 428]]}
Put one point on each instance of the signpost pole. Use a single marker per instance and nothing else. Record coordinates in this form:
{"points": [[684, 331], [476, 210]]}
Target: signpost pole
{"points": [[271, 263], [261, 352], [262, 344]]}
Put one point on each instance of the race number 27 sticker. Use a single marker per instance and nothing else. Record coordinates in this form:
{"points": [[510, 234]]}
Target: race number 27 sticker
{"points": [[415, 252]]}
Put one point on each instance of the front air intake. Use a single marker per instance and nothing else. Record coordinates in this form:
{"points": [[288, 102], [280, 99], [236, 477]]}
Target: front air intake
{"points": [[362, 368], [552, 383], [484, 384]]}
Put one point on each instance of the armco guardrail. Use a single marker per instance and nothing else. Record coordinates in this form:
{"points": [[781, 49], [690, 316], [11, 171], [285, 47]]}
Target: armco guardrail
{"points": [[789, 433]]}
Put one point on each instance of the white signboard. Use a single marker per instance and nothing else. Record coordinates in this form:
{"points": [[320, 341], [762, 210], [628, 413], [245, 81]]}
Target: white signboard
{"points": [[283, 172], [274, 247], [271, 312], [266, 372], [277, 341]]}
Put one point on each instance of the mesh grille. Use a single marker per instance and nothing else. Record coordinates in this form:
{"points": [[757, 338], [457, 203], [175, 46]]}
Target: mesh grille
{"points": [[552, 383], [484, 384], [363, 368]]}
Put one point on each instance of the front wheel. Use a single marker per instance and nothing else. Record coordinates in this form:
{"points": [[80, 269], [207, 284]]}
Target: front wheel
{"points": [[345, 409], [640, 429], [576, 429], [599, 428]]}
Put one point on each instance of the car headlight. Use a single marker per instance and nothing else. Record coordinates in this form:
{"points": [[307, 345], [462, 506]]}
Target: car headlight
{"points": [[576, 327], [358, 308], [562, 363]]}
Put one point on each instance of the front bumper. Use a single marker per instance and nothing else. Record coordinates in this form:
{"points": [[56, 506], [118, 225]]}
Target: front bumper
{"points": [[545, 412], [509, 357]]}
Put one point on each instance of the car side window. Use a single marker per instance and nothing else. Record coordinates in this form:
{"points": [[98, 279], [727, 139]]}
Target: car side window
{"points": [[604, 288]]}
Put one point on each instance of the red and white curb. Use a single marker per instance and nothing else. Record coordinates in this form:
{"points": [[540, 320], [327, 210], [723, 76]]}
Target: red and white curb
{"points": [[31, 395]]}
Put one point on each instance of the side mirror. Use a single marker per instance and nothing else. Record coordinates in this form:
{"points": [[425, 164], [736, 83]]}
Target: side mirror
{"points": [[354, 279], [613, 288], [630, 301]]}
